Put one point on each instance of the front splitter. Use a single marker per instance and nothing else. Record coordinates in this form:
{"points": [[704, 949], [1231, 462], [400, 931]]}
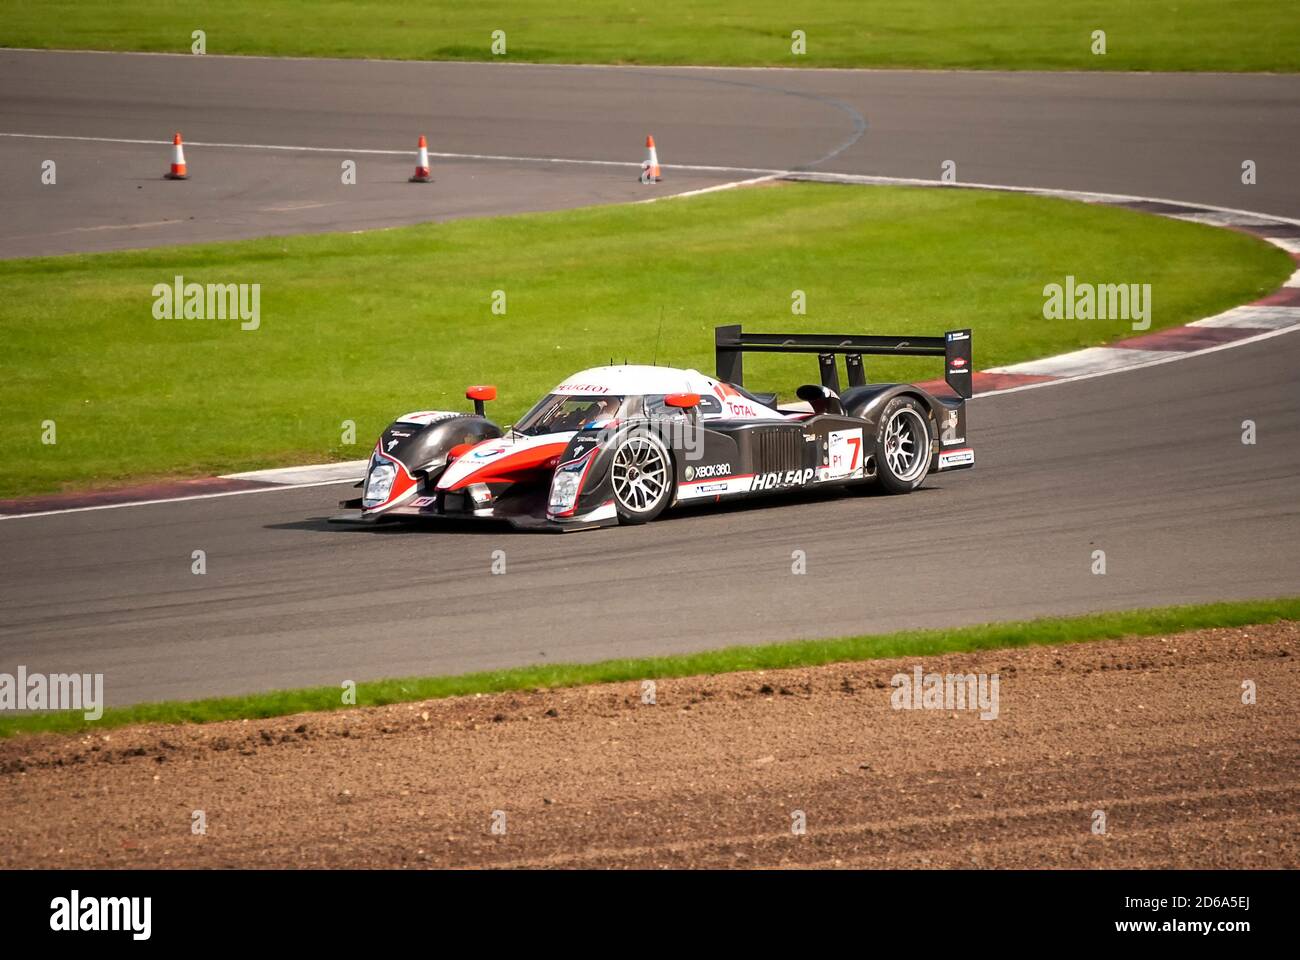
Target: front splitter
{"points": [[526, 522]]}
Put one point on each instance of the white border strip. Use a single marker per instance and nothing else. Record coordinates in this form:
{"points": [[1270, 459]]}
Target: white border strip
{"points": [[338, 471], [1085, 196], [196, 496], [1142, 366], [1087, 360]]}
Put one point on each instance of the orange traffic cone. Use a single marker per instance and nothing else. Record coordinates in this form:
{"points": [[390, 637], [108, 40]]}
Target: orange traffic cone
{"points": [[422, 164], [177, 172], [650, 169]]}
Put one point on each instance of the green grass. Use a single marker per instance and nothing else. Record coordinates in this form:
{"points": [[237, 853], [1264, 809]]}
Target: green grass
{"points": [[807, 653], [979, 34], [365, 327]]}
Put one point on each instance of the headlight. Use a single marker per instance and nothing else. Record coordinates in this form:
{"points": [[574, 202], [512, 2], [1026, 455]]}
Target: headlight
{"points": [[564, 490], [379, 483]]}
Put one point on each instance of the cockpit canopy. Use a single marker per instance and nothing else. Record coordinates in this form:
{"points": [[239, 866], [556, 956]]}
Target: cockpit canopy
{"points": [[560, 413]]}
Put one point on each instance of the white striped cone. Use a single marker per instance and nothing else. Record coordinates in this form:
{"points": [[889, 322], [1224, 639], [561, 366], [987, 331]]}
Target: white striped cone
{"points": [[650, 172], [177, 171], [422, 174]]}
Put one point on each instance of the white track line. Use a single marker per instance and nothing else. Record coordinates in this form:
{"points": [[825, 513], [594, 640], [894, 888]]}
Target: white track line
{"points": [[714, 189], [507, 158], [765, 172], [197, 496], [815, 177]]}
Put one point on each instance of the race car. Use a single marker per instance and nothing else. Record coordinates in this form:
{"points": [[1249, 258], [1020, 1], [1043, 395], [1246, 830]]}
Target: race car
{"points": [[622, 444]]}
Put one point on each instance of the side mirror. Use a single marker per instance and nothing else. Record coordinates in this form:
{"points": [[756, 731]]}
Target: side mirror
{"points": [[480, 395], [683, 401]]}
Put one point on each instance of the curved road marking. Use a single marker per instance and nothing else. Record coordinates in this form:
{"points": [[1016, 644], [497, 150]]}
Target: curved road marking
{"points": [[859, 121], [694, 167], [789, 174]]}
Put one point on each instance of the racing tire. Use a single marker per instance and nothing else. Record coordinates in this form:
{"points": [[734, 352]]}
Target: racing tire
{"points": [[641, 473], [903, 445]]}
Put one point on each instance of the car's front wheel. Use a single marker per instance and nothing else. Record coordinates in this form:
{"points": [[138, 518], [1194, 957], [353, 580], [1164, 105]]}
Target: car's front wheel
{"points": [[642, 476], [903, 445]]}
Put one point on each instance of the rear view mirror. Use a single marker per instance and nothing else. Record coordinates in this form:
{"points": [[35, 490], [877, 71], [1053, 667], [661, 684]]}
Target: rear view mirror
{"points": [[480, 394]]}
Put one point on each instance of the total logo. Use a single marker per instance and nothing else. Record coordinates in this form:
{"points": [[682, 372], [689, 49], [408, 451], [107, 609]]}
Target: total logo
{"points": [[791, 478], [741, 409], [489, 452], [708, 471]]}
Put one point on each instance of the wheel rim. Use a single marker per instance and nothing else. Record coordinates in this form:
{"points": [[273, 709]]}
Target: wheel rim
{"points": [[640, 474], [906, 446]]}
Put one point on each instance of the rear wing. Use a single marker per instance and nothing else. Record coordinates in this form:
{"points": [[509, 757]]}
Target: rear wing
{"points": [[731, 344]]}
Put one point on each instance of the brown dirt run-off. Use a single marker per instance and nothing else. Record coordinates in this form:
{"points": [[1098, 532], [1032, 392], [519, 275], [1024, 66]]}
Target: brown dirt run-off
{"points": [[1151, 731]]}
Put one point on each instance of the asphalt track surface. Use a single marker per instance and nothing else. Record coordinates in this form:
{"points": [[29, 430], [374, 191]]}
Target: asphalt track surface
{"points": [[1173, 136], [1147, 465]]}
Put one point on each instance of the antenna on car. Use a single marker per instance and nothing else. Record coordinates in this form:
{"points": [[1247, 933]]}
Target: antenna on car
{"points": [[658, 336]]}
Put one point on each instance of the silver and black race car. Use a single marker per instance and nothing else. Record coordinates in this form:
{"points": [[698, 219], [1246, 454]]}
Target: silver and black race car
{"points": [[622, 444]]}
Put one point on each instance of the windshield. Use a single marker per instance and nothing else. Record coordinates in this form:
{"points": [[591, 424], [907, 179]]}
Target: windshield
{"points": [[559, 413]]}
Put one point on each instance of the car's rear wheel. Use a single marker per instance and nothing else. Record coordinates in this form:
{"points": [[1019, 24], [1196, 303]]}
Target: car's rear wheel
{"points": [[642, 476], [903, 445]]}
